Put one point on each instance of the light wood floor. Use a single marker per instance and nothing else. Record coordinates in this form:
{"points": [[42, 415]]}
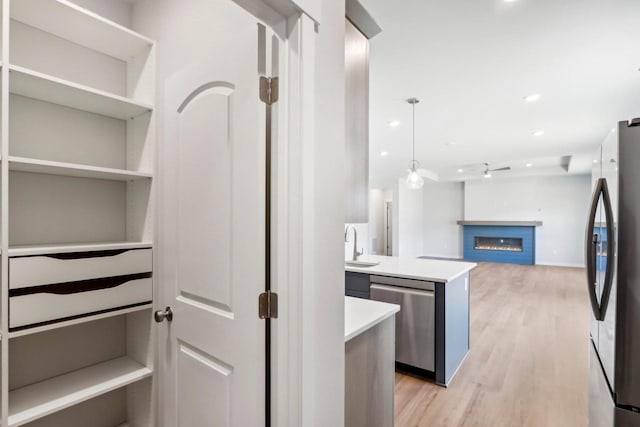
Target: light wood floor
{"points": [[529, 355]]}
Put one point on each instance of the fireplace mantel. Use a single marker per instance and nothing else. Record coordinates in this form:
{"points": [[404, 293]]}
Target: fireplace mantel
{"points": [[502, 223]]}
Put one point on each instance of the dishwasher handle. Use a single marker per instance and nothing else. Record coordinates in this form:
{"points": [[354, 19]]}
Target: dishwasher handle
{"points": [[398, 289]]}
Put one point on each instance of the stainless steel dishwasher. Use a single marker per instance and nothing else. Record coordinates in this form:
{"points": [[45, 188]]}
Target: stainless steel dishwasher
{"points": [[415, 324]]}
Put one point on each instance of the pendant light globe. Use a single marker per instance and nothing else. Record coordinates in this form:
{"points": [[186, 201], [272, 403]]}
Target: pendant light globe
{"points": [[415, 181]]}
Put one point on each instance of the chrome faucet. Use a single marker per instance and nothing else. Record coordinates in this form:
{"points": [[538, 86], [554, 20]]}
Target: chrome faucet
{"points": [[355, 241]]}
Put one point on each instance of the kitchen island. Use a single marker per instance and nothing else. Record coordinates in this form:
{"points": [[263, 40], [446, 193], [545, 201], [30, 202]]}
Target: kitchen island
{"points": [[432, 329], [369, 334]]}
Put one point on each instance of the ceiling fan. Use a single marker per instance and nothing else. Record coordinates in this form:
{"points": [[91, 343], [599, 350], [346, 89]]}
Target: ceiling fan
{"points": [[487, 171]]}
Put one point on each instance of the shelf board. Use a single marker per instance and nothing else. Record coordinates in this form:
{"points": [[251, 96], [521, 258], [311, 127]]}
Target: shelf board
{"points": [[77, 321], [28, 250], [40, 399], [23, 164], [80, 26], [33, 84]]}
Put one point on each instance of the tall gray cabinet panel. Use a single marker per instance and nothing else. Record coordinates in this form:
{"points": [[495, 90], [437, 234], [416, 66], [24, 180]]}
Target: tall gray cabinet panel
{"points": [[357, 124]]}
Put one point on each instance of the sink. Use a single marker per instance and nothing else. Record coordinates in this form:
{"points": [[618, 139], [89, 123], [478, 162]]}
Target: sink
{"points": [[361, 263]]}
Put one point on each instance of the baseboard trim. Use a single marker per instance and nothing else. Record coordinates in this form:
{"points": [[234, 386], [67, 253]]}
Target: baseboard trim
{"points": [[560, 264], [441, 257]]}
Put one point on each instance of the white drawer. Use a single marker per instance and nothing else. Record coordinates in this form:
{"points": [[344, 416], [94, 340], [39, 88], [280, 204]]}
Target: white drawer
{"points": [[47, 304], [72, 267]]}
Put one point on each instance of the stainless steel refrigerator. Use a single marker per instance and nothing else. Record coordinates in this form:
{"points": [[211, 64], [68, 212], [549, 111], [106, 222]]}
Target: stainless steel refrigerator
{"points": [[612, 246]]}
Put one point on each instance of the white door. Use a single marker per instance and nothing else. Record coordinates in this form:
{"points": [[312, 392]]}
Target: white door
{"points": [[212, 353]]}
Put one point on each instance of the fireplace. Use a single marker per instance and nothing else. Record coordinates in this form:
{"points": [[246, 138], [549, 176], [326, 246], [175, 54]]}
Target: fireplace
{"points": [[511, 242]]}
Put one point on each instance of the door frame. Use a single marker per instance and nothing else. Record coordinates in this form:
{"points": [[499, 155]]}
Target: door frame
{"points": [[292, 249], [292, 210]]}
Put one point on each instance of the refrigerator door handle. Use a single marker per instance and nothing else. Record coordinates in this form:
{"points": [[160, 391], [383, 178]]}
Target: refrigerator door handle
{"points": [[591, 242], [611, 244]]}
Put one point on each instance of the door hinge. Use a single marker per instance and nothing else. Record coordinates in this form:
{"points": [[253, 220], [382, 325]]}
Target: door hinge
{"points": [[268, 305], [268, 90]]}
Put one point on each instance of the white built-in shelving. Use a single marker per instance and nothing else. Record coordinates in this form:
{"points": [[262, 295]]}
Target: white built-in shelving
{"points": [[30, 250], [77, 164], [78, 25], [69, 169], [37, 85], [43, 398], [66, 323]]}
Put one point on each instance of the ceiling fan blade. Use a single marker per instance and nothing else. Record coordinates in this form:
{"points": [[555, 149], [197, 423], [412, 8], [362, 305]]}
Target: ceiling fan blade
{"points": [[507, 168], [425, 173]]}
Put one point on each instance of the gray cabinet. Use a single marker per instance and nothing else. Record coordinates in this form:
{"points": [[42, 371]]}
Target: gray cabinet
{"points": [[356, 125], [369, 377], [356, 285]]}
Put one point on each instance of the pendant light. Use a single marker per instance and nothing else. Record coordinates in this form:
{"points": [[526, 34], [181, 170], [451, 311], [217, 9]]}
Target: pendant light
{"points": [[414, 180]]}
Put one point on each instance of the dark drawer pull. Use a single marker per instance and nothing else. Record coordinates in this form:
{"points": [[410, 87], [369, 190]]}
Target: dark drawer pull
{"points": [[83, 255], [68, 288]]}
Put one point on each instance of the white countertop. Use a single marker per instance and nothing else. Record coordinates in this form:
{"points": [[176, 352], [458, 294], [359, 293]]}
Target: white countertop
{"points": [[362, 314], [432, 270]]}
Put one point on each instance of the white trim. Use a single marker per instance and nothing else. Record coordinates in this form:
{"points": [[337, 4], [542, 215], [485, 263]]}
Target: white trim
{"points": [[560, 264], [294, 227], [4, 222], [285, 374], [306, 211], [444, 256], [458, 368], [293, 215]]}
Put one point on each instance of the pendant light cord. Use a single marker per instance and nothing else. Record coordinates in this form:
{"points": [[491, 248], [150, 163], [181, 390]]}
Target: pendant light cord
{"points": [[414, 133], [413, 102]]}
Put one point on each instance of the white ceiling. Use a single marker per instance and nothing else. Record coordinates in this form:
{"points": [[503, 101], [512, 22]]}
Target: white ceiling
{"points": [[471, 62]]}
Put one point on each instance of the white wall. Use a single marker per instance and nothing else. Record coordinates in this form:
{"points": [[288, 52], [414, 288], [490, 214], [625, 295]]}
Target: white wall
{"points": [[410, 221], [376, 221], [323, 373], [443, 206], [561, 202], [427, 218]]}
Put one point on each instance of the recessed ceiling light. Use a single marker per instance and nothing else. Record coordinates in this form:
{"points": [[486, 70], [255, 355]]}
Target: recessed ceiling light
{"points": [[533, 97], [394, 123], [529, 165], [595, 161], [460, 170], [383, 153], [538, 133], [613, 130]]}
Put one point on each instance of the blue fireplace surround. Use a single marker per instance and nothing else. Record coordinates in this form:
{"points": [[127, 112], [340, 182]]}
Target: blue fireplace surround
{"points": [[510, 242]]}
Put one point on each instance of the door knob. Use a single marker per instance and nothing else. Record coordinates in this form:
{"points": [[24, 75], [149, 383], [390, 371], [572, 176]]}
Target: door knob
{"points": [[160, 315]]}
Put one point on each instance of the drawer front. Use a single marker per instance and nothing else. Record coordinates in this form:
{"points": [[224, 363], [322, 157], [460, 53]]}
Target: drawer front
{"points": [[39, 305], [72, 267], [363, 295], [356, 282]]}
